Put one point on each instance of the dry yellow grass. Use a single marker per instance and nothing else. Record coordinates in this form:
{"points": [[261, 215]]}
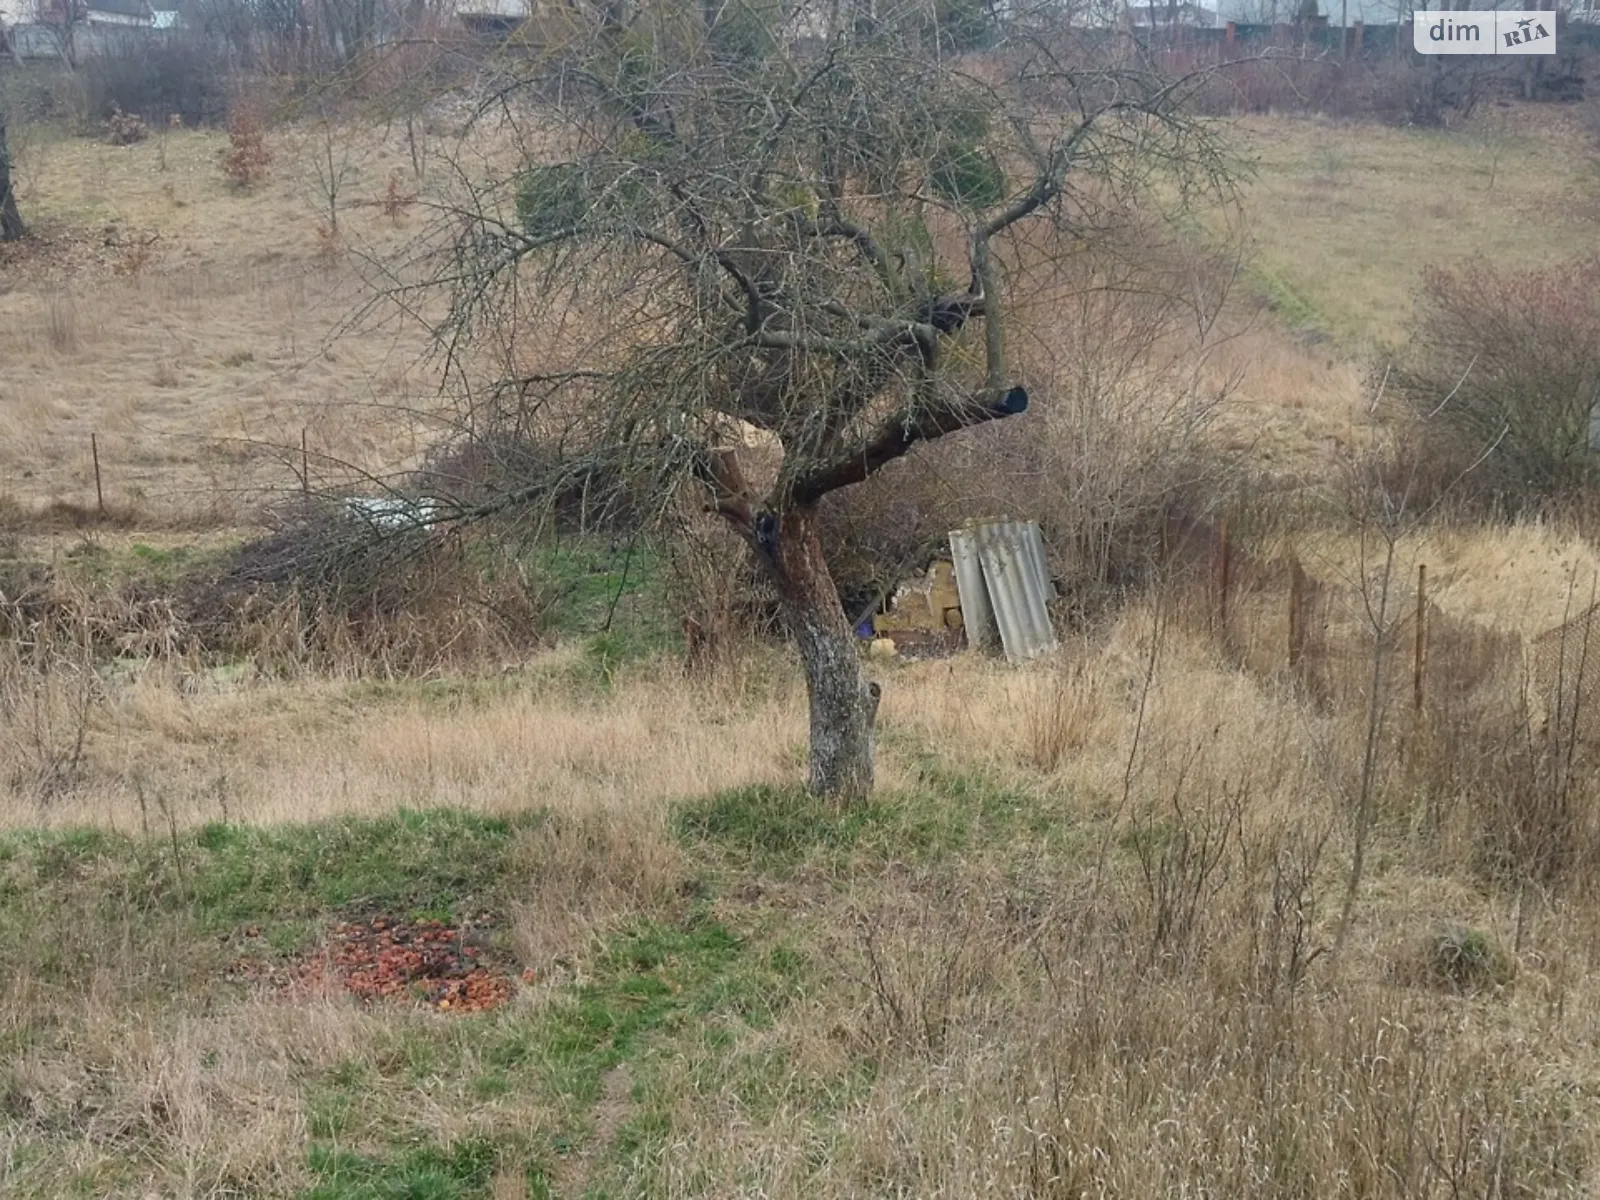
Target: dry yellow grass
{"points": [[1025, 1016], [1018, 980], [263, 752], [1345, 217], [192, 326], [1524, 578]]}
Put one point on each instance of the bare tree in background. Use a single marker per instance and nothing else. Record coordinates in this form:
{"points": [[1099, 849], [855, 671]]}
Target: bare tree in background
{"points": [[11, 227], [734, 225]]}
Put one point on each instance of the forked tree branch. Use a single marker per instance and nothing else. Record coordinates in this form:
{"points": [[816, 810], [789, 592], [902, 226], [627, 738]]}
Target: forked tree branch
{"points": [[731, 497], [897, 435]]}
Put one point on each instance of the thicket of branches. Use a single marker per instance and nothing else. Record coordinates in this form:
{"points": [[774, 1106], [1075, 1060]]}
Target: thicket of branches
{"points": [[1502, 372], [747, 261]]}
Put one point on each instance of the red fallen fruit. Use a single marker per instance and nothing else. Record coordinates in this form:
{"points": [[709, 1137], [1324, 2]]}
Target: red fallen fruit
{"points": [[387, 958]]}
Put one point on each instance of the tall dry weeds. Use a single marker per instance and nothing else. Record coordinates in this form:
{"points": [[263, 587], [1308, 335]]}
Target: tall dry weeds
{"points": [[50, 691]]}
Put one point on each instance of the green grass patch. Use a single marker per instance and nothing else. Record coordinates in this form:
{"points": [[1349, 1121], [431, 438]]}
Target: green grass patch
{"points": [[775, 824], [777, 827], [613, 596], [65, 897], [454, 1172], [648, 981], [652, 982], [1285, 300], [413, 863], [113, 564]]}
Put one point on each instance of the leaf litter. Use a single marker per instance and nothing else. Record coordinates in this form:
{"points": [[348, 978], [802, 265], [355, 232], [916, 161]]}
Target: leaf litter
{"points": [[386, 958]]}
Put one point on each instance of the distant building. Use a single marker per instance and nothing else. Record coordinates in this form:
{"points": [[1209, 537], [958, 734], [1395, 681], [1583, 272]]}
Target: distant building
{"points": [[1363, 12], [74, 29], [127, 14], [1171, 16]]}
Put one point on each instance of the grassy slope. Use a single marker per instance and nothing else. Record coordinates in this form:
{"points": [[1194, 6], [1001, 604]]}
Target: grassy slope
{"points": [[199, 362], [189, 324], [1345, 218], [992, 981], [963, 989]]}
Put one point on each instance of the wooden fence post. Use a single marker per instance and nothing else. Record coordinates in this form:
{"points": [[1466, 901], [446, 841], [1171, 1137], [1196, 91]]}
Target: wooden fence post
{"points": [[1297, 616], [1419, 654], [1224, 573], [99, 491], [305, 465]]}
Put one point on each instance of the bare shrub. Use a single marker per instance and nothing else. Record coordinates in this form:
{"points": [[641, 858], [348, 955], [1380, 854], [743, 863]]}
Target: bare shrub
{"points": [[898, 519], [407, 71], [136, 256], [328, 592], [925, 991], [1397, 89], [1532, 808], [480, 465], [1188, 849], [158, 77], [723, 602], [49, 692], [1403, 90], [1022, 1047], [1497, 769], [1287, 857], [503, 461], [1119, 345], [396, 201], [1503, 374], [330, 244], [248, 158], [125, 129]]}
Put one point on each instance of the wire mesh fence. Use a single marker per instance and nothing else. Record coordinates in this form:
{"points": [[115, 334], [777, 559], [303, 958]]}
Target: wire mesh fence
{"points": [[1373, 635], [1564, 668]]}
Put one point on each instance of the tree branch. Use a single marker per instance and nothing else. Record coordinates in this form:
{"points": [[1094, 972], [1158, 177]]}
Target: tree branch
{"points": [[731, 495], [901, 432]]}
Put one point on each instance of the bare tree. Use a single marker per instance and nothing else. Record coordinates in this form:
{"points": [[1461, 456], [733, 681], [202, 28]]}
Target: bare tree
{"points": [[736, 226], [11, 227]]}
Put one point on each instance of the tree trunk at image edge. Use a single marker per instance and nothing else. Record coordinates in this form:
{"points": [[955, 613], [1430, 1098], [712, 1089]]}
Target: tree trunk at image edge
{"points": [[844, 706], [11, 226]]}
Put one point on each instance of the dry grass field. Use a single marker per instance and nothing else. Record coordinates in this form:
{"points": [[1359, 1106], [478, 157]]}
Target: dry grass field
{"points": [[1104, 931], [193, 326], [1346, 219]]}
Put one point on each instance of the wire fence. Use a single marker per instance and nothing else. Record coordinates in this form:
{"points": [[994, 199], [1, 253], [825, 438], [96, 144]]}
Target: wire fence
{"points": [[153, 478], [1375, 636], [1565, 661]]}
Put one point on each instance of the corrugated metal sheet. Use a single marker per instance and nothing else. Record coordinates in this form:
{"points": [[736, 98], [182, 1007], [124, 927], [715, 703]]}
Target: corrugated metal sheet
{"points": [[1015, 587], [1033, 543], [976, 615]]}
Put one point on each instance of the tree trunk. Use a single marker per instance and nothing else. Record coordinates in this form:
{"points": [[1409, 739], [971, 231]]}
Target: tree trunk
{"points": [[844, 706], [11, 226]]}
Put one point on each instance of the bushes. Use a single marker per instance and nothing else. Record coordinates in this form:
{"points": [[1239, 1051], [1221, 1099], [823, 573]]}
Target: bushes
{"points": [[248, 158], [1398, 89], [329, 590], [1502, 373], [155, 78], [588, 492], [125, 129]]}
